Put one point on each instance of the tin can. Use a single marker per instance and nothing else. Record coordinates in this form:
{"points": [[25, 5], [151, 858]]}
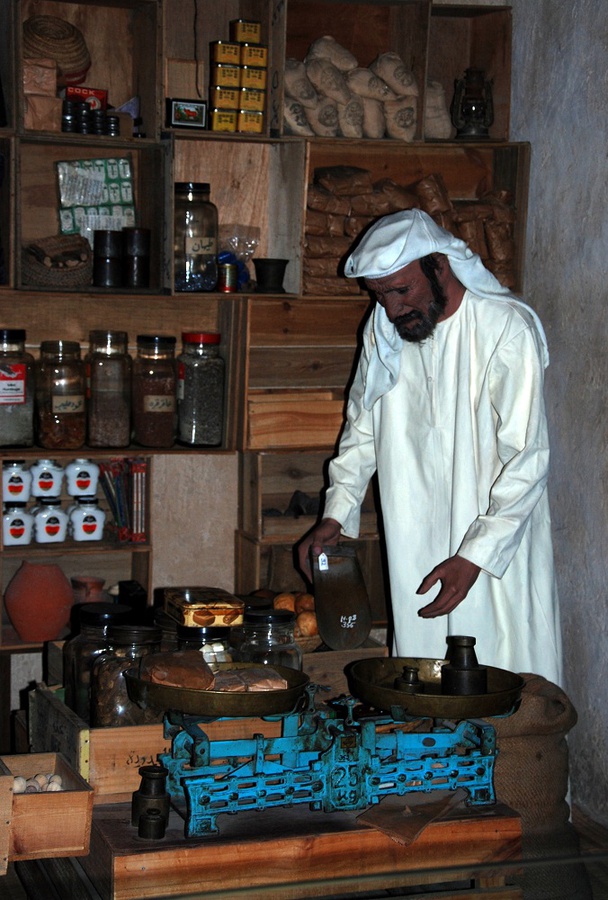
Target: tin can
{"points": [[251, 98], [225, 52], [253, 77], [228, 278], [253, 55], [224, 97], [223, 120], [225, 75], [250, 122], [245, 30]]}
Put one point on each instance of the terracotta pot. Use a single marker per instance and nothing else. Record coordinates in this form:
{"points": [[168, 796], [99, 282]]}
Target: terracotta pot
{"points": [[38, 600], [88, 589]]}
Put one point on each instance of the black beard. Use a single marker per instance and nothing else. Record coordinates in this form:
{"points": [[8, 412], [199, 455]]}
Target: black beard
{"points": [[425, 323]]}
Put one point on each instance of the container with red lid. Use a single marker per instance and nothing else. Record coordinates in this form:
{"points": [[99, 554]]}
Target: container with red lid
{"points": [[200, 390]]}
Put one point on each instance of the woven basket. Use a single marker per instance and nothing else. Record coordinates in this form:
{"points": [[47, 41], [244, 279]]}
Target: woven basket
{"points": [[69, 246], [52, 38]]}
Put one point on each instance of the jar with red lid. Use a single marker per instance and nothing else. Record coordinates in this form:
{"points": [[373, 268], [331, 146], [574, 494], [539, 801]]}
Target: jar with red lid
{"points": [[200, 389]]}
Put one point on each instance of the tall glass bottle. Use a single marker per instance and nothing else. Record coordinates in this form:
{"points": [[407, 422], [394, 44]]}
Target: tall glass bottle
{"points": [[60, 396], [200, 390], [195, 236], [154, 391], [16, 390], [109, 369]]}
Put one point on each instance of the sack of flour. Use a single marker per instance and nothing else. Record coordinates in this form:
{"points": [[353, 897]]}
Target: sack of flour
{"points": [[327, 47], [437, 122], [400, 116], [374, 124], [350, 117], [328, 80], [391, 68], [366, 83], [298, 85], [323, 119]]}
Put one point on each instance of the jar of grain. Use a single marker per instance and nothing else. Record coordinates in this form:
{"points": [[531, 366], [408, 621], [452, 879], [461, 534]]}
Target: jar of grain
{"points": [[154, 391], [111, 705], [16, 390], [109, 370], [60, 396], [200, 390]]}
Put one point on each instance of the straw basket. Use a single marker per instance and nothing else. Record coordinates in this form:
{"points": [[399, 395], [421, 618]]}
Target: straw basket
{"points": [[51, 38], [60, 261]]}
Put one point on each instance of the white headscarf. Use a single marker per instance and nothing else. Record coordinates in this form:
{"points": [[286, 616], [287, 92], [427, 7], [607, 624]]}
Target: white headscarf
{"points": [[392, 243]]}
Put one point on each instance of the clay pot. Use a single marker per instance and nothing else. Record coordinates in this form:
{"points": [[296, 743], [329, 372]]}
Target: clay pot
{"points": [[89, 589], [38, 600]]}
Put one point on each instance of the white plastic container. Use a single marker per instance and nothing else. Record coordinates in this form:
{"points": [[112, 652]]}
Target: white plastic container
{"points": [[82, 477], [87, 520], [50, 522], [47, 478], [16, 482], [17, 526]]}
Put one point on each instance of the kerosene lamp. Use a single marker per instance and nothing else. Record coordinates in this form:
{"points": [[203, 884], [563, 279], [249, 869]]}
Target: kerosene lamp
{"points": [[472, 108]]}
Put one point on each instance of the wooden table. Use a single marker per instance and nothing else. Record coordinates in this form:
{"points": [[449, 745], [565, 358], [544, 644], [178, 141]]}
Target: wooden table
{"points": [[295, 853]]}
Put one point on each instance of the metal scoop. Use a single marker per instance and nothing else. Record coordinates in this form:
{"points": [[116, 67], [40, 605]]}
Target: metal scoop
{"points": [[341, 601]]}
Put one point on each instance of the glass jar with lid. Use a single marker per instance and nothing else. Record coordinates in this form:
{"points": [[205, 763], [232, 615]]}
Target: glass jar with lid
{"points": [[50, 521], [200, 390], [81, 651], [86, 519], [195, 237], [109, 371], [111, 705], [213, 642], [60, 396], [17, 387], [16, 481], [268, 638], [154, 391], [17, 525]]}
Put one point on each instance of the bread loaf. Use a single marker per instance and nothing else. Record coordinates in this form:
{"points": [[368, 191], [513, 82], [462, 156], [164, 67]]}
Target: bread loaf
{"points": [[181, 669], [344, 180]]}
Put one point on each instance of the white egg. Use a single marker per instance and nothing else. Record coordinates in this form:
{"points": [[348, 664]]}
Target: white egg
{"points": [[19, 784]]}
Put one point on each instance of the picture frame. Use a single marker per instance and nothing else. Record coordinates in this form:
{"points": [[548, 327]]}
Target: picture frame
{"points": [[183, 113]]}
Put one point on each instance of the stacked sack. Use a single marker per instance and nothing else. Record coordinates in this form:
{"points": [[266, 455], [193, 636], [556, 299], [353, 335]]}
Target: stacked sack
{"points": [[343, 201]]}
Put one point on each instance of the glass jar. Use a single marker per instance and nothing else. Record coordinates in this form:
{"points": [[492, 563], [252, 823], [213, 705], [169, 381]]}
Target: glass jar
{"points": [[213, 643], [87, 520], [200, 390], [154, 391], [268, 638], [50, 521], [60, 396], [16, 482], [109, 371], [82, 477], [195, 238], [110, 702], [17, 525], [17, 387], [81, 651]]}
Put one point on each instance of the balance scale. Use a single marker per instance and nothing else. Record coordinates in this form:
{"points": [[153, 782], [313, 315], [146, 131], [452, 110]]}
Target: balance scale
{"points": [[344, 755]]}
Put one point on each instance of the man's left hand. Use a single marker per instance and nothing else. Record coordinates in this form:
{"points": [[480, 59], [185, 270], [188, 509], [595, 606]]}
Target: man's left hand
{"points": [[457, 576]]}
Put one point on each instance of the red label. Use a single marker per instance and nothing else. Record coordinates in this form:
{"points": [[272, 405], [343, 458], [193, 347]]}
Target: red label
{"points": [[17, 531], [83, 481]]}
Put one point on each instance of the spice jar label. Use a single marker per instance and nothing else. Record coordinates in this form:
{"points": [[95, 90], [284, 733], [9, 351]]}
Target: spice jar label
{"points": [[68, 404], [159, 403], [12, 383]]}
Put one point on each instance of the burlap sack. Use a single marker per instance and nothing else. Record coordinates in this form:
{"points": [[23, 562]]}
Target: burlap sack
{"points": [[531, 769]]}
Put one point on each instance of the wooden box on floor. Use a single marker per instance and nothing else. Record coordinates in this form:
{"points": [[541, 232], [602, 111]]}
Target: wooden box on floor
{"points": [[39, 825]]}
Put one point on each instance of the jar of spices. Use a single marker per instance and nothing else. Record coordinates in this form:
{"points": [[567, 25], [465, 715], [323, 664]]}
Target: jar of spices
{"points": [[17, 386], [50, 521], [195, 237], [16, 482], [200, 390], [110, 702], [109, 370], [47, 478], [82, 477], [17, 525], [87, 520], [60, 396], [213, 643], [154, 391], [268, 638], [81, 651]]}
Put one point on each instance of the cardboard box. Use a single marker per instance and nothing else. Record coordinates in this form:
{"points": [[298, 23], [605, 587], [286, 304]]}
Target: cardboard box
{"points": [[44, 824], [42, 113]]}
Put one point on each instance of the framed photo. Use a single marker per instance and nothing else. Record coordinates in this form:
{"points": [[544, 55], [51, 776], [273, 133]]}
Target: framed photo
{"points": [[186, 113]]}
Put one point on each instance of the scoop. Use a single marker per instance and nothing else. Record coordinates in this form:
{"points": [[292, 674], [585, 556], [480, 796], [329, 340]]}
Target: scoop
{"points": [[341, 601]]}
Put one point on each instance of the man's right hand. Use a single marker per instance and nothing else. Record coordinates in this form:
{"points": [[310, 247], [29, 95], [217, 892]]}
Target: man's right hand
{"points": [[327, 532]]}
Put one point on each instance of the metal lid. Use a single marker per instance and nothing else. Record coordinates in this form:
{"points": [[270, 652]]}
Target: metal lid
{"points": [[163, 340], [104, 613], [135, 634], [192, 187], [268, 617], [12, 335], [201, 633]]}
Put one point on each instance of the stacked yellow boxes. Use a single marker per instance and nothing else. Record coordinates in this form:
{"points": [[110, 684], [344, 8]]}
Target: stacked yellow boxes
{"points": [[238, 82]]}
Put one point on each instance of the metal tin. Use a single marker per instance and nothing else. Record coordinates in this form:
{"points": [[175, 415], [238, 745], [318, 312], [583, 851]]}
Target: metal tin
{"points": [[223, 119], [246, 30], [251, 98], [225, 52], [228, 278], [203, 606], [253, 55], [253, 77], [225, 75], [250, 122], [225, 97]]}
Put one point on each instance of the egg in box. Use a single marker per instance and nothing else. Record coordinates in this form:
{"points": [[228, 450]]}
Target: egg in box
{"points": [[206, 607]]}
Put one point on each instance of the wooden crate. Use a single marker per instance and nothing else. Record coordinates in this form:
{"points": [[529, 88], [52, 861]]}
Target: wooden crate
{"points": [[294, 419], [110, 758], [268, 482], [45, 824]]}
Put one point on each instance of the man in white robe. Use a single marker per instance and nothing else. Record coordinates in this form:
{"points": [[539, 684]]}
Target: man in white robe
{"points": [[447, 406]]}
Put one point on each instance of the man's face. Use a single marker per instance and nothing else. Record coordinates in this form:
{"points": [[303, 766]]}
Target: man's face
{"points": [[411, 302]]}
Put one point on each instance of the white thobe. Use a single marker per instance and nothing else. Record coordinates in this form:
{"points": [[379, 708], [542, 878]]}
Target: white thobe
{"points": [[461, 450]]}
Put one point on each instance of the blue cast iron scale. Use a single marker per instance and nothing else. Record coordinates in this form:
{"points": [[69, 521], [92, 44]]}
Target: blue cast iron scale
{"points": [[344, 755]]}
